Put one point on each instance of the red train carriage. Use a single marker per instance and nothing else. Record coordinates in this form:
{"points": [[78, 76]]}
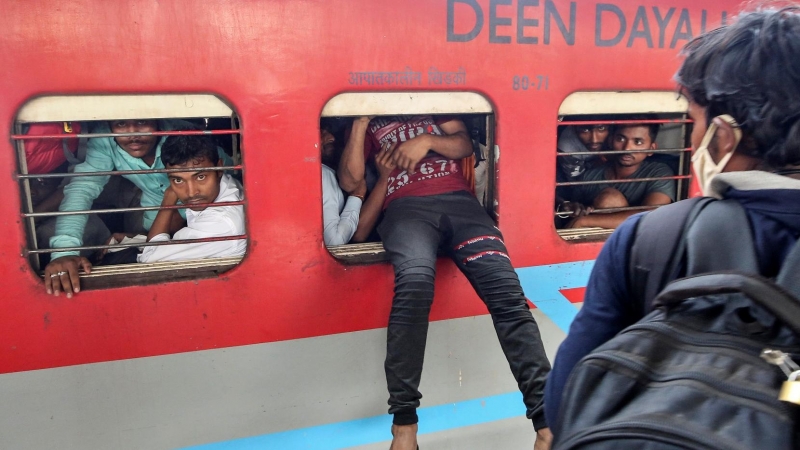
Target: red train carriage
{"points": [[283, 348]]}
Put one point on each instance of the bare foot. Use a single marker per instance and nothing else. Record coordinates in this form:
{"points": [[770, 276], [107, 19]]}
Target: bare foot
{"points": [[405, 437], [544, 439]]}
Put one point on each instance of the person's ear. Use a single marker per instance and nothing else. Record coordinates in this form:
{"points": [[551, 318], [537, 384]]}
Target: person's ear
{"points": [[220, 162], [725, 139]]}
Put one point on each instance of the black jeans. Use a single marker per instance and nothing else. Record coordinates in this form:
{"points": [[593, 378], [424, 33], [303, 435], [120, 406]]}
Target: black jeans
{"points": [[413, 229]]}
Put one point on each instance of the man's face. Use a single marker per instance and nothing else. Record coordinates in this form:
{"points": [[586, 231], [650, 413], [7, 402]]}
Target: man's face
{"points": [[593, 136], [327, 140], [632, 138], [193, 187], [136, 146]]}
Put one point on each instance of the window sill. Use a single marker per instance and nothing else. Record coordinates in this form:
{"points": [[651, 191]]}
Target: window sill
{"points": [[585, 234], [366, 253], [103, 277]]}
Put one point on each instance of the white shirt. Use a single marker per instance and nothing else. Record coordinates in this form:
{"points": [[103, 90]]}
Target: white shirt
{"points": [[339, 218], [215, 221]]}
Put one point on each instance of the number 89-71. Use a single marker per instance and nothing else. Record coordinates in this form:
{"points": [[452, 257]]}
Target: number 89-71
{"points": [[537, 82]]}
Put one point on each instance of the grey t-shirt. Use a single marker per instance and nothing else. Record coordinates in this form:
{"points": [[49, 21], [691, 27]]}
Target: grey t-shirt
{"points": [[634, 192]]}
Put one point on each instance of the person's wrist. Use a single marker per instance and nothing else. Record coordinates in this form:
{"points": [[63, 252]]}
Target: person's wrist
{"points": [[169, 200], [427, 139]]}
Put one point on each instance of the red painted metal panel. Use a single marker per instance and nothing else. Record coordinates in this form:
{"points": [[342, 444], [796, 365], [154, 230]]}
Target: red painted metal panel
{"points": [[277, 63]]}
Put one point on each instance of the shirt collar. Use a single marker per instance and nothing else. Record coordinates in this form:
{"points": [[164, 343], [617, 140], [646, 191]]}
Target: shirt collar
{"points": [[750, 180]]}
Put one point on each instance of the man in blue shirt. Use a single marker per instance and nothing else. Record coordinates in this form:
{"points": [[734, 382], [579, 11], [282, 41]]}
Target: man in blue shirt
{"points": [[102, 155], [743, 87]]}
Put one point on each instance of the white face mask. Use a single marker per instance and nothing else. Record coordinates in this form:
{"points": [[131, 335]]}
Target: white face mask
{"points": [[704, 166]]}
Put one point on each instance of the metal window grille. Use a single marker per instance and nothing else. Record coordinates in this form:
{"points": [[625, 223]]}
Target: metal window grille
{"points": [[32, 249], [683, 153]]}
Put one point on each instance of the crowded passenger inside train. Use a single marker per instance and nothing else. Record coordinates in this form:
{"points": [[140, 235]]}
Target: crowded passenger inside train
{"points": [[104, 193], [609, 168], [111, 192]]}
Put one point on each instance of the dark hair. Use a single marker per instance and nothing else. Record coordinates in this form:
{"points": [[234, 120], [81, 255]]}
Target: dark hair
{"points": [[652, 128], [334, 125], [178, 150], [751, 70]]}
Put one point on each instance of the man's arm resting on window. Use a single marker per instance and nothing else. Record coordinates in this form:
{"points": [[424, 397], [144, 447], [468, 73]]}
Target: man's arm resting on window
{"points": [[164, 220], [351, 164], [371, 210], [80, 193], [613, 220], [211, 224]]}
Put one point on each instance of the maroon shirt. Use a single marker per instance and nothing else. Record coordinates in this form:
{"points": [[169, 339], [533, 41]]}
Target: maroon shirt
{"points": [[435, 174]]}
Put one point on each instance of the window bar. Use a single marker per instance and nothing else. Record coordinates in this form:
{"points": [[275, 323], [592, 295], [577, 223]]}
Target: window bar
{"points": [[25, 137], [625, 152], [237, 158], [130, 209], [683, 187], [24, 178], [623, 122], [126, 172], [141, 244], [27, 202], [611, 210], [491, 204], [631, 180]]}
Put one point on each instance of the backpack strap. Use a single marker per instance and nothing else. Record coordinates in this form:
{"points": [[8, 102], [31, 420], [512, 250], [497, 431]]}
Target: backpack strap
{"points": [[789, 276], [658, 248], [777, 301], [720, 239], [80, 154]]}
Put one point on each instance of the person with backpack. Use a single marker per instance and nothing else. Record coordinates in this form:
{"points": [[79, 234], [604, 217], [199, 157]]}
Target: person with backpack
{"points": [[742, 82]]}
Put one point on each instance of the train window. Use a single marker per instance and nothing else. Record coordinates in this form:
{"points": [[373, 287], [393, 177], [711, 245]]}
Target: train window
{"points": [[93, 182], [618, 153], [344, 239]]}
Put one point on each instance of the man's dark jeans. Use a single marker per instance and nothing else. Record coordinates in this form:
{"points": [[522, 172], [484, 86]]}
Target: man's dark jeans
{"points": [[413, 229]]}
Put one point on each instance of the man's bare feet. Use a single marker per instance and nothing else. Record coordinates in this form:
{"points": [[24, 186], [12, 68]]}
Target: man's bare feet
{"points": [[544, 439], [405, 437]]}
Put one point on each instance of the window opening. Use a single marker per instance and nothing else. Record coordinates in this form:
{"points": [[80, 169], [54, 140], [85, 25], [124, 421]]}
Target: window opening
{"points": [[609, 166], [53, 136], [478, 169]]}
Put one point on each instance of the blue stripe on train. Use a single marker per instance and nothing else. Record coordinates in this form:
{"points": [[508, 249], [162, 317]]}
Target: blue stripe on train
{"points": [[376, 429], [542, 285]]}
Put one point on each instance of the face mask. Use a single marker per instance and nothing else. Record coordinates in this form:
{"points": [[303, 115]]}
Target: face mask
{"points": [[704, 166]]}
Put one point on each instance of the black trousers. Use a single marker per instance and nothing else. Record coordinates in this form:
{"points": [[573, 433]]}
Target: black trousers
{"points": [[412, 231]]}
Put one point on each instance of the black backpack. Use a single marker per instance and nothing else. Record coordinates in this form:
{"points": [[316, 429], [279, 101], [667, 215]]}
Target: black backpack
{"points": [[688, 375]]}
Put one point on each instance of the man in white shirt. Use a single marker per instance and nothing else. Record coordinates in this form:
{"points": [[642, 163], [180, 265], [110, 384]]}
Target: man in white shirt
{"points": [[194, 188], [354, 218], [340, 216]]}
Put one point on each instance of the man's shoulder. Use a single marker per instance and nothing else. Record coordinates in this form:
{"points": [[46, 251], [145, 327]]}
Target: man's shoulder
{"points": [[594, 174], [654, 167], [98, 144], [230, 189], [624, 234]]}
